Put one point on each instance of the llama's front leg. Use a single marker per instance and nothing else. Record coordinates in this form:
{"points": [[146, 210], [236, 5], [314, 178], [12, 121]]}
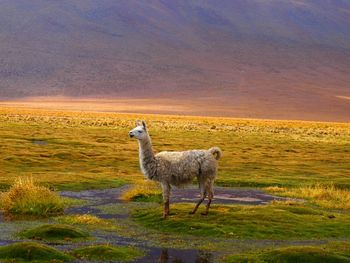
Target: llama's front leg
{"points": [[166, 196]]}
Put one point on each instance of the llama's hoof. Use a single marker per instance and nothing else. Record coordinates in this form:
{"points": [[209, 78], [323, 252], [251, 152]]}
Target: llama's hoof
{"points": [[192, 213], [204, 213], [165, 216]]}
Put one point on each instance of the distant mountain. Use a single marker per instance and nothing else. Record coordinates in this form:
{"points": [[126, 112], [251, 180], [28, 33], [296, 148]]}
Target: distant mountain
{"points": [[291, 57]]}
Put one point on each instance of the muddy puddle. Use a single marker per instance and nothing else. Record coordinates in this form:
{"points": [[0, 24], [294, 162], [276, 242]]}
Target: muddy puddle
{"points": [[224, 195], [40, 142]]}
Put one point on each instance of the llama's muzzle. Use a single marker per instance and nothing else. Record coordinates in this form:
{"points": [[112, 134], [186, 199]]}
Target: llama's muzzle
{"points": [[131, 135]]}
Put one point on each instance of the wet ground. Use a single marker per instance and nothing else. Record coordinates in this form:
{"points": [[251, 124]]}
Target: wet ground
{"points": [[224, 195], [95, 202], [99, 198]]}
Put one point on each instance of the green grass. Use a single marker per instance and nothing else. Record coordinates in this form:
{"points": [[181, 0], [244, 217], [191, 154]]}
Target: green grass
{"points": [[330, 253], [88, 184], [277, 221], [157, 198], [85, 219], [88, 222], [92, 150], [108, 253], [29, 251], [54, 232]]}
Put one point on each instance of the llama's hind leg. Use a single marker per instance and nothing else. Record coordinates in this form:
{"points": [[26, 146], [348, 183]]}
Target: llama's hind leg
{"points": [[203, 195], [166, 196], [210, 198]]}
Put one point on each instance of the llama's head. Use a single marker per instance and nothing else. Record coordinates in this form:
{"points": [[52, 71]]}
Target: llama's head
{"points": [[140, 131]]}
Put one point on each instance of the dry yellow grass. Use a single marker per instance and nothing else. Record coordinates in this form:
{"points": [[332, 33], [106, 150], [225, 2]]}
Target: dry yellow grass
{"points": [[327, 196], [142, 190], [26, 198], [84, 150]]}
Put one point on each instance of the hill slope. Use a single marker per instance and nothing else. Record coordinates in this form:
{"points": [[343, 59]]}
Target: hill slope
{"points": [[256, 57]]}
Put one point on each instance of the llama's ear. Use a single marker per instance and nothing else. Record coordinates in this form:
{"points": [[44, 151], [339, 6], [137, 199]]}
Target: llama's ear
{"points": [[138, 123], [144, 125]]}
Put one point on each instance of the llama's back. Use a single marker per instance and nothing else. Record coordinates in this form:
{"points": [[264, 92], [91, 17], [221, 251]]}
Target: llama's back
{"points": [[179, 168]]}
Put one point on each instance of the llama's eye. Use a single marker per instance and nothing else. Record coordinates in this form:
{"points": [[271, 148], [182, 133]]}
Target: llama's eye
{"points": [[139, 131]]}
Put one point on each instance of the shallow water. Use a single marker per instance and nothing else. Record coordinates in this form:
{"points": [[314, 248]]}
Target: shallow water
{"points": [[169, 255], [224, 195], [39, 142]]}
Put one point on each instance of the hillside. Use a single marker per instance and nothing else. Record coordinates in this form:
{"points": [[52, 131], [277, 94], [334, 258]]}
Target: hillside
{"points": [[266, 59]]}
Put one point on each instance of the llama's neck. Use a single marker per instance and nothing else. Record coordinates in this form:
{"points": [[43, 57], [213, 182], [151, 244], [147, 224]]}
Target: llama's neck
{"points": [[147, 161]]}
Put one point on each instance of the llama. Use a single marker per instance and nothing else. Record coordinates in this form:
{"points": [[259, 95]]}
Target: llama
{"points": [[177, 168]]}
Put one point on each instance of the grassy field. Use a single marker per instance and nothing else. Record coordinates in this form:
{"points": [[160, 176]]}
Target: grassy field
{"points": [[65, 150], [80, 150]]}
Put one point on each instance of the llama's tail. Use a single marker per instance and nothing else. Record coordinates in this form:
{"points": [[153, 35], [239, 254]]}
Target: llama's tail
{"points": [[216, 152]]}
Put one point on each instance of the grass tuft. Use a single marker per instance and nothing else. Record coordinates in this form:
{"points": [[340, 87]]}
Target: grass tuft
{"points": [[54, 232], [30, 251], [82, 220], [88, 222], [108, 252], [26, 198], [327, 196], [144, 191]]}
